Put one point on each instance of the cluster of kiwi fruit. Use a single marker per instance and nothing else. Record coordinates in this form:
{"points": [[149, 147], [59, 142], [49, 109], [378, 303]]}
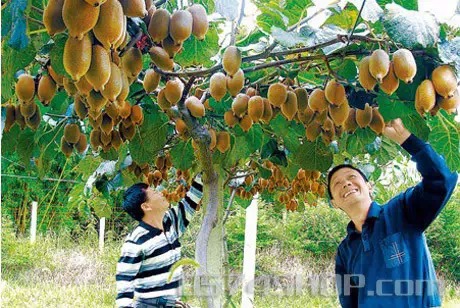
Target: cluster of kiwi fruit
{"points": [[431, 95], [73, 138], [27, 112], [169, 31], [304, 182], [439, 92]]}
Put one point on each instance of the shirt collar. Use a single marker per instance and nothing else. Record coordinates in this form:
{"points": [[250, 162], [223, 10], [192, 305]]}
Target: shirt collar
{"points": [[372, 214]]}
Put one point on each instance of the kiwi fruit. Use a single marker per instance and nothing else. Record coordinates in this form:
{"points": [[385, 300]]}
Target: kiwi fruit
{"points": [[95, 139], [28, 109], [240, 104], [161, 58], [70, 87], [83, 86], [134, 8], [231, 60], [390, 82], [317, 100], [79, 17], [66, 148], [99, 71], [365, 78], [58, 78], [290, 107], [151, 80], [255, 108], [339, 114], [71, 133], [46, 89], [230, 119], [350, 124], [379, 64], [52, 17], [25, 87], [96, 101], [173, 90], [180, 26], [450, 104], [137, 115], [212, 134], [80, 108], [277, 94], [131, 62], [82, 144], [20, 120], [364, 116], [218, 86], [404, 65], [116, 140], [377, 123], [109, 27], [77, 54], [115, 84], [235, 83], [10, 118], [223, 141], [335, 92], [268, 112], [170, 46], [312, 131], [444, 81], [302, 99], [425, 97], [200, 21], [246, 123], [195, 107], [159, 25]]}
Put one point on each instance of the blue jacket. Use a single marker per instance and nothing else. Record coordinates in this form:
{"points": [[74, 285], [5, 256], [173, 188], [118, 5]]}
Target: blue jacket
{"points": [[389, 264]]}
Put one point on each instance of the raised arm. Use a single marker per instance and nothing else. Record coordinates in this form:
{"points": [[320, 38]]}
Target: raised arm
{"points": [[423, 202], [186, 208]]}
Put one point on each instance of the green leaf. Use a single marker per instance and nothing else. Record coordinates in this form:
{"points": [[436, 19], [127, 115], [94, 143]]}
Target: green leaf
{"points": [[449, 52], [356, 143], [269, 148], [101, 207], [240, 150], [10, 139], [18, 35], [255, 138], [345, 18], [59, 103], [410, 28], [182, 262], [313, 156], [57, 54], [88, 165], [326, 33], [287, 39], [348, 70], [13, 61], [199, 53], [111, 154], [408, 4], [288, 131], [25, 146], [271, 17], [251, 38], [445, 138], [182, 155], [371, 10], [150, 137]]}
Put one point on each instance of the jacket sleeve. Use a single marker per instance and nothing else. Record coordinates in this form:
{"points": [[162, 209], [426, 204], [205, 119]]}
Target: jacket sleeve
{"points": [[423, 202], [186, 208], [127, 268], [348, 295]]}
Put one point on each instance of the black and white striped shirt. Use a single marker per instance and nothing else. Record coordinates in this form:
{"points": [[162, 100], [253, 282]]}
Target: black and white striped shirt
{"points": [[148, 254]]}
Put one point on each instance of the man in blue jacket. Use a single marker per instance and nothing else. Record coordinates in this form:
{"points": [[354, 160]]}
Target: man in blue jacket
{"points": [[384, 260]]}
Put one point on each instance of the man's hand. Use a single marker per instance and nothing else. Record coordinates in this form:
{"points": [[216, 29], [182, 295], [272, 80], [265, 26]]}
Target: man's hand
{"points": [[396, 131]]}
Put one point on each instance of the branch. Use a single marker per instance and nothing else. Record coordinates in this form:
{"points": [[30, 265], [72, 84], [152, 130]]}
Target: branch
{"points": [[356, 22], [37, 9], [210, 71], [236, 24], [41, 179], [35, 21], [132, 42], [230, 202]]}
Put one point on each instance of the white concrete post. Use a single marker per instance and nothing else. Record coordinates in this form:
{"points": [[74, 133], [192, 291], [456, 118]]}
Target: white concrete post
{"points": [[249, 259], [101, 233], [33, 222]]}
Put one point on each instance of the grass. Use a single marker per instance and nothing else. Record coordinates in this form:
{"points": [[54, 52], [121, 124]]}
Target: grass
{"points": [[59, 272]]}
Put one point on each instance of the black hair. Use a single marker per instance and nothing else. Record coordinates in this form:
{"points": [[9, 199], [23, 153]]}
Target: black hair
{"points": [[133, 199], [337, 168]]}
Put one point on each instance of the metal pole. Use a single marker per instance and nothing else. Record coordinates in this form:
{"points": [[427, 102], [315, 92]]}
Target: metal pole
{"points": [[101, 233], [33, 222]]}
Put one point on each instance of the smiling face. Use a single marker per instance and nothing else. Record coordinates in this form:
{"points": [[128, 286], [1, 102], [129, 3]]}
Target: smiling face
{"points": [[349, 189], [156, 202]]}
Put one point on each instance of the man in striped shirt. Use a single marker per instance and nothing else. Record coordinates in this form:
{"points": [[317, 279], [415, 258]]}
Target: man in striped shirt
{"points": [[153, 247]]}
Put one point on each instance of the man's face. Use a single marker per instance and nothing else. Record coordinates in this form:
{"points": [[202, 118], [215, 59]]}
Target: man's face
{"points": [[348, 188], [155, 201]]}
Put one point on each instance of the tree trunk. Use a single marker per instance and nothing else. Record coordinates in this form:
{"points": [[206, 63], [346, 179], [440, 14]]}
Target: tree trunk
{"points": [[209, 247]]}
